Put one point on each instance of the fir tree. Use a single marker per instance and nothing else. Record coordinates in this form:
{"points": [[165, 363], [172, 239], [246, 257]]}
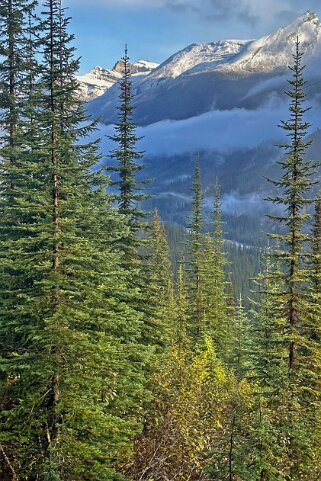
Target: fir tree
{"points": [[160, 287], [182, 322], [241, 343], [195, 249], [73, 384], [294, 187], [128, 165], [215, 285]]}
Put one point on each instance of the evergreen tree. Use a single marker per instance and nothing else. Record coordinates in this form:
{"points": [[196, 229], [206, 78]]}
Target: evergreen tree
{"points": [[269, 365], [215, 285], [269, 329], [13, 67], [128, 165], [160, 287], [182, 322], [71, 366], [294, 187], [316, 247], [195, 250], [314, 333], [241, 343]]}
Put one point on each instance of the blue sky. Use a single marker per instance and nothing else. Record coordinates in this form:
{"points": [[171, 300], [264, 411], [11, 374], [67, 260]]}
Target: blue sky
{"points": [[155, 29]]}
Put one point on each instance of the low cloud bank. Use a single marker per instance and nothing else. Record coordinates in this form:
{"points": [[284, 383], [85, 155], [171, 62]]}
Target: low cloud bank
{"points": [[220, 131]]}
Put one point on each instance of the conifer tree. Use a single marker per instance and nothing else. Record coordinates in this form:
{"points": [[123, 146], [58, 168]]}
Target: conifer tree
{"points": [[71, 365], [269, 368], [269, 329], [316, 247], [315, 280], [128, 165], [195, 248], [182, 322], [241, 343], [294, 188], [14, 34], [215, 285], [160, 287], [313, 351]]}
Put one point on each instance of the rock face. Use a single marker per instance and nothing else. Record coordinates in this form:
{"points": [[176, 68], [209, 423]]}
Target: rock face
{"points": [[96, 82], [142, 66]]}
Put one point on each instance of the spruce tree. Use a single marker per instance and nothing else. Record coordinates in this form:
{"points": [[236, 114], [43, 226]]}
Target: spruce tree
{"points": [[71, 365], [316, 248], [195, 250], [215, 284], [128, 196], [241, 345], [128, 165], [14, 16], [269, 330], [160, 288], [182, 321], [294, 187], [269, 369]]}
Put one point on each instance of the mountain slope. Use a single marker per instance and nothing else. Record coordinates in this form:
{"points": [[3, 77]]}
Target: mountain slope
{"points": [[215, 76], [223, 100]]}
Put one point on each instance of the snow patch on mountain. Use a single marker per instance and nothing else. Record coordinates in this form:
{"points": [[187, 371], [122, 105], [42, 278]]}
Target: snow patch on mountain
{"points": [[143, 66], [97, 82]]}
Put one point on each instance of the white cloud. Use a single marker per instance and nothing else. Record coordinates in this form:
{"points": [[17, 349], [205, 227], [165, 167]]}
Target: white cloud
{"points": [[244, 10], [220, 131], [118, 3]]}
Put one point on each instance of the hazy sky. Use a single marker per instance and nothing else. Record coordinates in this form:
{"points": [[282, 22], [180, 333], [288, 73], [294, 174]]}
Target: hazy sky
{"points": [[155, 29]]}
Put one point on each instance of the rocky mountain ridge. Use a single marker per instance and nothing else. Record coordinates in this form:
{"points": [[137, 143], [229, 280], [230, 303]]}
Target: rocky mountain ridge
{"points": [[96, 82]]}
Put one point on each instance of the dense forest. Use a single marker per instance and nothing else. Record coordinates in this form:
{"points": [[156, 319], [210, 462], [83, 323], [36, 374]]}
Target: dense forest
{"points": [[124, 358]]}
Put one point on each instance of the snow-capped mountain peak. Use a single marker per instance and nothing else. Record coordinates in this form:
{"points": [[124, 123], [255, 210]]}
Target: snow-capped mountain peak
{"points": [[265, 54], [96, 82], [220, 75], [198, 54], [275, 50]]}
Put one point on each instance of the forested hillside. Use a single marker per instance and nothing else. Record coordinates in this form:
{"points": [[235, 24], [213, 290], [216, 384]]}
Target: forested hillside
{"points": [[130, 349]]}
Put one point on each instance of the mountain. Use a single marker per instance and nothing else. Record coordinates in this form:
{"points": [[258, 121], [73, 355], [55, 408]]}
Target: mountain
{"points": [[96, 82], [223, 100], [197, 79]]}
